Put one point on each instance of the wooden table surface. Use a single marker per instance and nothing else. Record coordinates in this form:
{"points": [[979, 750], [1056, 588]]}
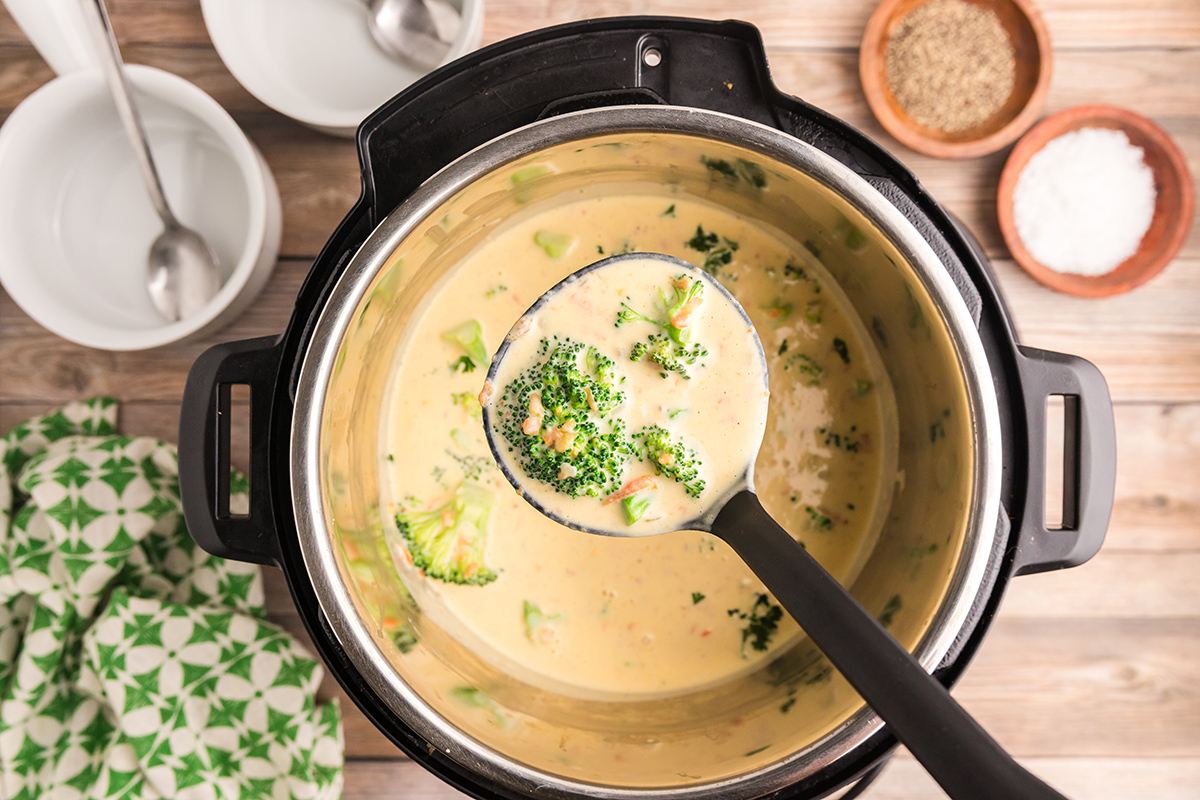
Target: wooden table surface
{"points": [[1090, 676]]}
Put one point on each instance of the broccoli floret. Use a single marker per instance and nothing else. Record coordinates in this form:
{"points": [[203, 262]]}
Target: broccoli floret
{"points": [[678, 312], [671, 458], [448, 542], [540, 627], [559, 406], [469, 336], [668, 355]]}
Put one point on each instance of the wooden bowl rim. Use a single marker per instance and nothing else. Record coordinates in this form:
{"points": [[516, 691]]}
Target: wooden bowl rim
{"points": [[1065, 121], [874, 83]]}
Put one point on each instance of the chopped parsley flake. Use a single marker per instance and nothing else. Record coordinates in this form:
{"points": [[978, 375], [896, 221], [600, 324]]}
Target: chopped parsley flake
{"points": [[842, 441], [762, 621], [819, 520], [839, 347], [894, 604]]}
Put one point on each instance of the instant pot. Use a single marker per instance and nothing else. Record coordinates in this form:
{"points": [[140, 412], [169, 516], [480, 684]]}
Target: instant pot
{"points": [[640, 105]]}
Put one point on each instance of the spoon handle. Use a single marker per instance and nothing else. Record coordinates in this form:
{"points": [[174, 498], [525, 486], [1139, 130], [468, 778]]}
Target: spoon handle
{"points": [[118, 83], [967, 762]]}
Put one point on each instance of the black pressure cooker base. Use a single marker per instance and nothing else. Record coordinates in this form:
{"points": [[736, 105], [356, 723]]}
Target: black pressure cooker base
{"points": [[718, 66]]}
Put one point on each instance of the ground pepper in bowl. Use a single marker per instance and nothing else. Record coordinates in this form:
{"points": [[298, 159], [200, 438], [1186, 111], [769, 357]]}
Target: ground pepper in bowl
{"points": [[950, 65]]}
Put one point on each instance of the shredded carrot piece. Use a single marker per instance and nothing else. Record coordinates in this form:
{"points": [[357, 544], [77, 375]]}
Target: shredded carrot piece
{"points": [[633, 487], [684, 317]]}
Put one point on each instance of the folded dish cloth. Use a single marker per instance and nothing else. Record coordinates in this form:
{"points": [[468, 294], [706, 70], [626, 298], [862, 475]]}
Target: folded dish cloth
{"points": [[132, 663]]}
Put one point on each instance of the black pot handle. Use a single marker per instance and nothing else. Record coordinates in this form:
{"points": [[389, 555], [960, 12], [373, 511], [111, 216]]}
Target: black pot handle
{"points": [[204, 450], [1089, 461]]}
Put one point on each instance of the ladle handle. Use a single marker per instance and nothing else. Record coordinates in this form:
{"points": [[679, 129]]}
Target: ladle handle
{"points": [[967, 762]]}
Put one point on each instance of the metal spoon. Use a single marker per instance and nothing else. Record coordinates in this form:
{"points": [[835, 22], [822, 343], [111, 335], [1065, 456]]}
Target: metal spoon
{"points": [[954, 749], [417, 32], [181, 269]]}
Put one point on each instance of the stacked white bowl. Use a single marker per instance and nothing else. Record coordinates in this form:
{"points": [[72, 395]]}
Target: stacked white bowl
{"points": [[76, 223]]}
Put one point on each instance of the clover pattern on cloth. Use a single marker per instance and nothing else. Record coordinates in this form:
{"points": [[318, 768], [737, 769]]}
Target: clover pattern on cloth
{"points": [[133, 664]]}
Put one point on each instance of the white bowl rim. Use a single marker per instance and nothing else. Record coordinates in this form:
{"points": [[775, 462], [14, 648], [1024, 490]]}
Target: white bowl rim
{"points": [[330, 120], [64, 91]]}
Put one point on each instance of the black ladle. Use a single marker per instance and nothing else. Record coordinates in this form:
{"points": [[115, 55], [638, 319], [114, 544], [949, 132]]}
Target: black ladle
{"points": [[958, 753]]}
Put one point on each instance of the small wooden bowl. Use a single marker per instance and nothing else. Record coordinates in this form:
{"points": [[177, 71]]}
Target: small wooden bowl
{"points": [[1173, 208], [1030, 39]]}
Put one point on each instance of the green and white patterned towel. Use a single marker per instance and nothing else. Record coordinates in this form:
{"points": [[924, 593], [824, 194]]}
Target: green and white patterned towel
{"points": [[133, 664]]}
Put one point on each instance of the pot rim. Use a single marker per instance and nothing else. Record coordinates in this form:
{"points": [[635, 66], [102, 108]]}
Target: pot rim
{"points": [[336, 316]]}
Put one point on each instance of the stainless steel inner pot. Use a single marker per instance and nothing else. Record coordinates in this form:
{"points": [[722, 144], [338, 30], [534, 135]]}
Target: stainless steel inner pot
{"points": [[697, 745]]}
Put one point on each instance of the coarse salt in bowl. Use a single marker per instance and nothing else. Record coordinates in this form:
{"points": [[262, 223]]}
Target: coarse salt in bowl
{"points": [[1095, 201], [1084, 202]]}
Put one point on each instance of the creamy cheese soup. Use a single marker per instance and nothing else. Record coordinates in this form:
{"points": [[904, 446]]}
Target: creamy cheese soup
{"points": [[630, 617], [630, 398]]}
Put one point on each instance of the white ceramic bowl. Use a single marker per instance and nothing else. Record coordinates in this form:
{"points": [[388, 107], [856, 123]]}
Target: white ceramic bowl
{"points": [[315, 60], [76, 223]]}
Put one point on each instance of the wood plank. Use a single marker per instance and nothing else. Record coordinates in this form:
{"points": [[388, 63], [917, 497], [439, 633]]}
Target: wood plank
{"points": [[1163, 779], [1113, 585], [902, 779], [1146, 342], [839, 23], [318, 178], [1157, 504], [1092, 778], [1152, 82], [36, 365], [1097, 687], [818, 23]]}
